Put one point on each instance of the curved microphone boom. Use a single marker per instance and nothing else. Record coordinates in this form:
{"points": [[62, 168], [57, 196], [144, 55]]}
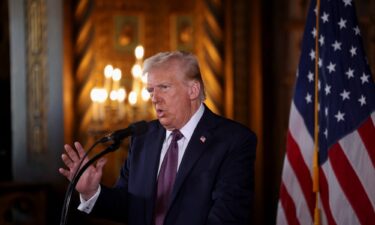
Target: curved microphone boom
{"points": [[136, 129]]}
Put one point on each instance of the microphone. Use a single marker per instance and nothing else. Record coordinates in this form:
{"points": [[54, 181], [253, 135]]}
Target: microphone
{"points": [[137, 128]]}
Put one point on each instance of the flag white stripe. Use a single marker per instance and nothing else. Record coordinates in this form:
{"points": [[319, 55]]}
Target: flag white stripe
{"points": [[301, 136], [341, 209], [293, 188], [360, 162], [323, 215], [281, 219]]}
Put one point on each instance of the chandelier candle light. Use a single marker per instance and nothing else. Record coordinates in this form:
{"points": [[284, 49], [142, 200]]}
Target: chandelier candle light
{"points": [[117, 93]]}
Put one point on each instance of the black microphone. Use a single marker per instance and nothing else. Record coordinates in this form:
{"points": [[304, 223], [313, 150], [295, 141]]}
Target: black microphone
{"points": [[136, 129]]}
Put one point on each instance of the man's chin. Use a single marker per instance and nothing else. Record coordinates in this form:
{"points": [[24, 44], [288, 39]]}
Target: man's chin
{"points": [[165, 123]]}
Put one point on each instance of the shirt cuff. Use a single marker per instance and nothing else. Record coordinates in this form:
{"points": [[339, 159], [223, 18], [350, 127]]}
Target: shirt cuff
{"points": [[87, 205]]}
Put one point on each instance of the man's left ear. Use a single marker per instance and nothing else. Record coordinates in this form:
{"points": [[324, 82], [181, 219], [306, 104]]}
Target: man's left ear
{"points": [[194, 89]]}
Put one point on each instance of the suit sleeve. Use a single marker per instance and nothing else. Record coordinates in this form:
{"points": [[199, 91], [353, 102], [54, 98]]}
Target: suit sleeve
{"points": [[233, 192], [112, 202]]}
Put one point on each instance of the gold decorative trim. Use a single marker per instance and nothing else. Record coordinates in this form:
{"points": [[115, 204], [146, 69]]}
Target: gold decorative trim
{"points": [[84, 60], [210, 54], [36, 75]]}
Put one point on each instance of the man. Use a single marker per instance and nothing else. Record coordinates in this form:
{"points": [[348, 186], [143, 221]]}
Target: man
{"points": [[211, 158]]}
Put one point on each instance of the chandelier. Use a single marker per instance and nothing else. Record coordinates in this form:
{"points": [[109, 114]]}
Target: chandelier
{"points": [[113, 103]]}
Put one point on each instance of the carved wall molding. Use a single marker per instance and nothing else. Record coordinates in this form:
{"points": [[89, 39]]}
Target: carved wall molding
{"points": [[37, 85], [210, 53], [83, 62]]}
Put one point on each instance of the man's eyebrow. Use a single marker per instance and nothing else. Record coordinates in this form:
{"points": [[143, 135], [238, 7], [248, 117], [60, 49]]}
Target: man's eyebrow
{"points": [[158, 85], [163, 84]]}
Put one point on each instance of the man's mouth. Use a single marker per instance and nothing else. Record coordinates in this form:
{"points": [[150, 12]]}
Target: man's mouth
{"points": [[159, 113]]}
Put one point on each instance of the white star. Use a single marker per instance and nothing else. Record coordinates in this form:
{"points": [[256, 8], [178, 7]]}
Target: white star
{"points": [[327, 89], [350, 73], [336, 45], [347, 2], [342, 23], [319, 85], [364, 78], [326, 111], [312, 54], [356, 30], [316, 10], [326, 133], [310, 76], [362, 100], [308, 98], [340, 116], [353, 51], [313, 32], [345, 95], [321, 40], [331, 67], [320, 62], [325, 17]]}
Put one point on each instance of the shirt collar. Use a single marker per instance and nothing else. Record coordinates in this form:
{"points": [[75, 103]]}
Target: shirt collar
{"points": [[188, 129]]}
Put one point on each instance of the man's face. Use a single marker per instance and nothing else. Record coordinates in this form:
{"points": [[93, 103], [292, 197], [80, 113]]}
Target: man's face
{"points": [[170, 97]]}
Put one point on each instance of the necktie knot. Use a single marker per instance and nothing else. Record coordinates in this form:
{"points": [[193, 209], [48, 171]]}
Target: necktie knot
{"points": [[176, 135]]}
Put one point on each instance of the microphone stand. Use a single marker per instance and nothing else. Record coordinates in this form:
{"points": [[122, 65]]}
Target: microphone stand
{"points": [[75, 179]]}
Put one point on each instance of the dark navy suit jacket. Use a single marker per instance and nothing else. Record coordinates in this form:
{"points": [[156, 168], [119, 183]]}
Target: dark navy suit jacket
{"points": [[214, 183]]}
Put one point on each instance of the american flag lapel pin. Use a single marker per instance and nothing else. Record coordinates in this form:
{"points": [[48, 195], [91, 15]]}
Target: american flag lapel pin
{"points": [[203, 139]]}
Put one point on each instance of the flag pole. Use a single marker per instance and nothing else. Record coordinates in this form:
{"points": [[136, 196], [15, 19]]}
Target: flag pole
{"points": [[316, 122]]}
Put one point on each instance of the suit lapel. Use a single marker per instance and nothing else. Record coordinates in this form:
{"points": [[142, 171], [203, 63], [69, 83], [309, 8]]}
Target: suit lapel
{"points": [[196, 146], [153, 145]]}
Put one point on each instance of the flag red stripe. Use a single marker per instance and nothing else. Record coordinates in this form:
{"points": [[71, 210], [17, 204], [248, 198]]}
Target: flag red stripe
{"points": [[351, 185], [288, 206], [302, 172], [367, 131], [324, 196]]}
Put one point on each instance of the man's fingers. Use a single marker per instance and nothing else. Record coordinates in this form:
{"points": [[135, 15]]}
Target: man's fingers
{"points": [[100, 164], [65, 173], [71, 153], [80, 150], [99, 168], [67, 161]]}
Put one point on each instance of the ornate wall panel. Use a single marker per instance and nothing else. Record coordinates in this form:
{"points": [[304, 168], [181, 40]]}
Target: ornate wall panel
{"points": [[83, 62], [211, 51], [242, 46], [37, 83]]}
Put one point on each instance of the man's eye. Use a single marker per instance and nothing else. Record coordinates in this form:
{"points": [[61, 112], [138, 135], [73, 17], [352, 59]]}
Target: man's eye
{"points": [[150, 90], [163, 87]]}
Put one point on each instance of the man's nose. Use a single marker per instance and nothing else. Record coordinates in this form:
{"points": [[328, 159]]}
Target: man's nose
{"points": [[154, 97]]}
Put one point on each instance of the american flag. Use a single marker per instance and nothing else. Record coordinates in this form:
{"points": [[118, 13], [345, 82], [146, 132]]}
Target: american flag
{"points": [[346, 107]]}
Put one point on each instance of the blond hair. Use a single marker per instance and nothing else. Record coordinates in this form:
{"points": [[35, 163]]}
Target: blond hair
{"points": [[186, 62]]}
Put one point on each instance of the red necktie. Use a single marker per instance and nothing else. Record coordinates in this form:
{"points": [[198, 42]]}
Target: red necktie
{"points": [[166, 178]]}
